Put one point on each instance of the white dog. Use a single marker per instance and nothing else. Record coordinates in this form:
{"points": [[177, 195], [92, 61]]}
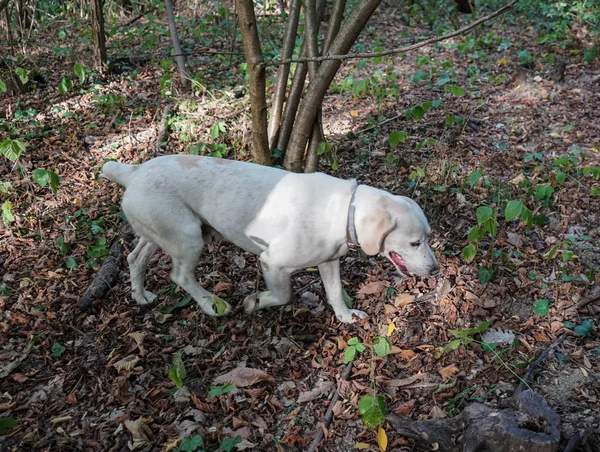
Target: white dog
{"points": [[292, 221]]}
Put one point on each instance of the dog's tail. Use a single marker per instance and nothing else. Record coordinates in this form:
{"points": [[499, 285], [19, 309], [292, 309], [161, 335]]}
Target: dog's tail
{"points": [[118, 172]]}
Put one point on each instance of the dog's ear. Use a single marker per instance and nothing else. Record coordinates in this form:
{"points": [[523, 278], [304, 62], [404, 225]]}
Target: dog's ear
{"points": [[373, 229]]}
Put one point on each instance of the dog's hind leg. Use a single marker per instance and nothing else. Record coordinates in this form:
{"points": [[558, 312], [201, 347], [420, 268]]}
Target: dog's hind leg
{"points": [[185, 258], [138, 261]]}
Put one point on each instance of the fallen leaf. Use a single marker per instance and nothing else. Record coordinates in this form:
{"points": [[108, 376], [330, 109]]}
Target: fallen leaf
{"points": [[138, 432], [223, 287], [390, 329], [362, 446], [60, 419], [371, 288], [498, 336], [138, 338], [382, 440], [437, 413], [448, 371], [399, 382], [321, 388], [403, 299], [405, 408], [244, 376], [126, 364]]}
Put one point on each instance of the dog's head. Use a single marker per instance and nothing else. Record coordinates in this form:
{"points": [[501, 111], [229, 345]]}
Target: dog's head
{"points": [[396, 227]]}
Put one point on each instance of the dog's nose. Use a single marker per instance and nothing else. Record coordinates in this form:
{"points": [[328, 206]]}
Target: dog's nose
{"points": [[435, 270]]}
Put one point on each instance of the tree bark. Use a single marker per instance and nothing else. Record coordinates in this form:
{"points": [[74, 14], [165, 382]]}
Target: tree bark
{"points": [[99, 50], [3, 4], [316, 90], [256, 73], [283, 74], [179, 56]]}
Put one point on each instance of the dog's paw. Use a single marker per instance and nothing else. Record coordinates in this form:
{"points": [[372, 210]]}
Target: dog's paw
{"points": [[250, 303], [351, 316], [146, 298]]}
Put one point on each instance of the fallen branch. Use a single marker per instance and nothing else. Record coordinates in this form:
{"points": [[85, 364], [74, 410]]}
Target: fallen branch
{"points": [[539, 360], [162, 129], [418, 45], [107, 276], [529, 424], [139, 16], [320, 434]]}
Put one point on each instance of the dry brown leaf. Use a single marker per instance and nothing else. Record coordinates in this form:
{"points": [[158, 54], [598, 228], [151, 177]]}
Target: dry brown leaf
{"points": [[223, 287], [244, 376], [126, 364], [138, 432], [371, 288], [448, 371], [405, 408], [399, 382], [138, 338], [403, 299]]}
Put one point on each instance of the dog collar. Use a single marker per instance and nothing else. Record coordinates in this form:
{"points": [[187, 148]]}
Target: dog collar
{"points": [[351, 237]]}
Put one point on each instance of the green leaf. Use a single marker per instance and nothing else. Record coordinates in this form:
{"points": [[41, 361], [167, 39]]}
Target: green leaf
{"points": [[484, 214], [469, 253], [219, 305], [349, 354], [585, 329], [374, 417], [453, 345], [7, 215], [397, 137], [71, 263], [541, 307], [221, 389], [353, 341], [485, 274], [382, 346], [3, 87], [65, 85], [177, 371], [79, 70], [214, 131], [360, 347], [191, 444], [436, 103], [540, 220], [513, 209], [491, 226], [12, 149], [6, 424], [57, 350], [41, 176], [474, 177], [228, 444], [323, 148], [475, 233], [63, 247], [457, 91], [482, 327], [365, 403], [348, 300], [418, 113], [23, 75]]}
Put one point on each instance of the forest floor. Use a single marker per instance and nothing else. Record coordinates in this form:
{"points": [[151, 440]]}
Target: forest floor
{"points": [[98, 379]]}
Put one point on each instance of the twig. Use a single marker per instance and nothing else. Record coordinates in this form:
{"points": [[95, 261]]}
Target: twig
{"points": [[418, 45], [139, 16], [162, 129], [539, 360], [320, 434], [366, 129]]}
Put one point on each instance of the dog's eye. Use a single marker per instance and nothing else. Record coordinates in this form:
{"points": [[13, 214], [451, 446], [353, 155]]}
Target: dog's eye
{"points": [[415, 244]]}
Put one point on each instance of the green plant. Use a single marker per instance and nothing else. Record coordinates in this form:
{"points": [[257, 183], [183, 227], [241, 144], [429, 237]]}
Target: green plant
{"points": [[584, 329], [97, 251], [221, 389], [177, 372], [465, 337], [354, 346], [7, 214], [382, 346], [43, 178], [191, 444], [228, 444], [12, 149], [57, 350], [6, 424], [372, 410]]}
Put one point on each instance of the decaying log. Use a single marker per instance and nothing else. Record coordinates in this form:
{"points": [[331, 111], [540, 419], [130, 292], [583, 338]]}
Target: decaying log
{"points": [[107, 276], [528, 424]]}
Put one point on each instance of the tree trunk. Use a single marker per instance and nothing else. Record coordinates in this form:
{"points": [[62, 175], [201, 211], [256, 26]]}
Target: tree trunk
{"points": [[179, 56], [98, 35], [316, 90], [283, 73], [256, 73]]}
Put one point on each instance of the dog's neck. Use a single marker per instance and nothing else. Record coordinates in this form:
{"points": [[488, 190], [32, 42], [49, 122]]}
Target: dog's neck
{"points": [[351, 237]]}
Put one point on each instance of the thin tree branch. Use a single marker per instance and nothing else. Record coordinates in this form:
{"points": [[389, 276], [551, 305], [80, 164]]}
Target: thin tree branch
{"points": [[350, 56]]}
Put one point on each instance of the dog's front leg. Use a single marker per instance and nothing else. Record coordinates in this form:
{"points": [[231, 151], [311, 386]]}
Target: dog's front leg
{"points": [[279, 288], [330, 274]]}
